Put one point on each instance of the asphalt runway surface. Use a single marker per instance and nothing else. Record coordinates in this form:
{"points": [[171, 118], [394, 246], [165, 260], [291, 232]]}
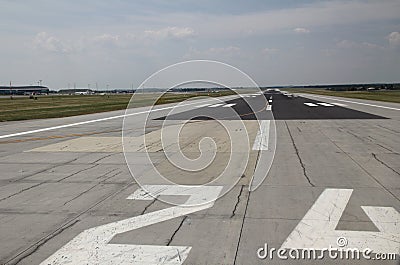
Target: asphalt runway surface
{"points": [[67, 195]]}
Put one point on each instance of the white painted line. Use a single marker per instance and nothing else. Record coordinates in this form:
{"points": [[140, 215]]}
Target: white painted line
{"points": [[269, 107], [229, 105], [311, 104], [353, 102], [92, 245], [261, 141], [270, 101], [325, 104], [216, 105], [317, 229], [98, 120]]}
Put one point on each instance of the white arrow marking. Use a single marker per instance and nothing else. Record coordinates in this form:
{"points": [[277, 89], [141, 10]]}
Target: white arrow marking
{"points": [[317, 229], [92, 245], [311, 104], [261, 141]]}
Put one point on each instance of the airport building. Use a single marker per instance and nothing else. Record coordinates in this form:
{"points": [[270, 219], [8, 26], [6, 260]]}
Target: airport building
{"points": [[23, 90]]}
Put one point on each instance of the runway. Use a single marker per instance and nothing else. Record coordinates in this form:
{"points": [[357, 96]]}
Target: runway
{"points": [[66, 192]]}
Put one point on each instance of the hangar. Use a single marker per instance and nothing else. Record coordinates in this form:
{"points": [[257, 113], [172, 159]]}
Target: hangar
{"points": [[23, 90]]}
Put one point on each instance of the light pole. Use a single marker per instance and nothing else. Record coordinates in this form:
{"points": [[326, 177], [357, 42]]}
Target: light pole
{"points": [[11, 94]]}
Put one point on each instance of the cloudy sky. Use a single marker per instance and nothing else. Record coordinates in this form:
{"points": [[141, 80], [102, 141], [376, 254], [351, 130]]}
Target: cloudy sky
{"points": [[122, 42]]}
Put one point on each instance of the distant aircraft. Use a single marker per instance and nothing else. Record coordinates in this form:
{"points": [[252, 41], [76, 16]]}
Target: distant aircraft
{"points": [[81, 92]]}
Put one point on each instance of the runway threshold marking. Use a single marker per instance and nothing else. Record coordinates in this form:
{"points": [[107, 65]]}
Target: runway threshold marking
{"points": [[262, 137], [311, 104], [325, 104], [92, 245], [317, 229], [101, 119], [353, 102]]}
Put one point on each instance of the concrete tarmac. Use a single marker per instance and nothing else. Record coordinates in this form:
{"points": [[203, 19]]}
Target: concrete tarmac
{"points": [[335, 174]]}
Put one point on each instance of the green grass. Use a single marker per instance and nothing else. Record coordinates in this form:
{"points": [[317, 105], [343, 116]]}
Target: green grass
{"points": [[23, 108], [387, 96]]}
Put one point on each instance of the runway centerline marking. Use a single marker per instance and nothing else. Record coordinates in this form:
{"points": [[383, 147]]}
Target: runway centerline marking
{"points": [[262, 138], [354, 102], [317, 229], [101, 119]]}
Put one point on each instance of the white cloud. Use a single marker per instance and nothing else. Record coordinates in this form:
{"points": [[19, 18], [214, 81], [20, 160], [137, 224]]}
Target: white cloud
{"points": [[394, 38], [301, 30], [269, 51], [320, 14], [214, 53], [107, 38], [348, 44], [50, 43], [170, 32]]}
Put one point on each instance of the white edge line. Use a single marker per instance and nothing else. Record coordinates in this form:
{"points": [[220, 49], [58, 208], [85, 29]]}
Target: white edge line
{"points": [[354, 102], [96, 120]]}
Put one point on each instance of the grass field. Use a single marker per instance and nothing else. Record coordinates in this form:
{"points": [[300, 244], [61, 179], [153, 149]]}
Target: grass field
{"points": [[387, 96], [23, 108]]}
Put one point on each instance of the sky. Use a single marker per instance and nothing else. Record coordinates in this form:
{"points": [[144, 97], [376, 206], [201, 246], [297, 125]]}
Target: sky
{"points": [[119, 43]]}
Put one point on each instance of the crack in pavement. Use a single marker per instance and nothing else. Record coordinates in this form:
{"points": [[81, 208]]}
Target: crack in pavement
{"points": [[97, 184], [371, 140], [45, 169], [176, 231], [27, 251], [237, 202], [362, 168], [241, 228], [383, 163], [147, 207], [76, 173], [104, 157], [298, 156], [40, 244], [21, 191]]}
